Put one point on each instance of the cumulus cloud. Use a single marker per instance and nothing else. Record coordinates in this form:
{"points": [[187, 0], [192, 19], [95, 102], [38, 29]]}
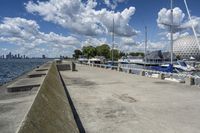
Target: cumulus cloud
{"points": [[177, 35], [195, 21], [113, 3], [181, 25], [94, 41], [164, 18], [25, 33], [82, 17], [128, 41]]}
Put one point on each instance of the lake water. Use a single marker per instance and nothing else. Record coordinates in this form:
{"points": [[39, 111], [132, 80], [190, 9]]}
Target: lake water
{"points": [[13, 68]]}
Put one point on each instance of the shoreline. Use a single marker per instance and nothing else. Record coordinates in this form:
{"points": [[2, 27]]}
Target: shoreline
{"points": [[15, 76]]}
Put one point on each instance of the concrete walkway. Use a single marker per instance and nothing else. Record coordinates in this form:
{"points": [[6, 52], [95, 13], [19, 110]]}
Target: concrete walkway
{"points": [[13, 107], [108, 101]]}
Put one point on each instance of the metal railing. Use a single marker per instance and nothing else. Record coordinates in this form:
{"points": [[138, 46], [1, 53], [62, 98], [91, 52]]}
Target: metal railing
{"points": [[132, 69]]}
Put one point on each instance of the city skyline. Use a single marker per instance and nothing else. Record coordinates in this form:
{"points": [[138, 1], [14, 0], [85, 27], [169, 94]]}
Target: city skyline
{"points": [[17, 56], [57, 27]]}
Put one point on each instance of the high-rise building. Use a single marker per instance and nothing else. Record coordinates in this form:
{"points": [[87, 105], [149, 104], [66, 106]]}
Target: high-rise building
{"points": [[43, 56]]}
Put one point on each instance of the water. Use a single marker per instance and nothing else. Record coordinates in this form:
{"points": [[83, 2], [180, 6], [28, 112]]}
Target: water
{"points": [[13, 68]]}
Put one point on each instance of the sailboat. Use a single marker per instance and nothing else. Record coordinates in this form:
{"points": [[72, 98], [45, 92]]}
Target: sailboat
{"points": [[180, 65]]}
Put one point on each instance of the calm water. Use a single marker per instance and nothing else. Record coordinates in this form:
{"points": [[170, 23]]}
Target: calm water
{"points": [[12, 68]]}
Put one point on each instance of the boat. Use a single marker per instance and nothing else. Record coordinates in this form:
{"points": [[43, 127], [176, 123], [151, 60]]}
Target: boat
{"points": [[178, 67], [94, 61], [82, 60], [183, 66]]}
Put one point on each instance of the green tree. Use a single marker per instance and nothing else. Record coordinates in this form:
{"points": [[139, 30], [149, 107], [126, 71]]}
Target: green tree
{"points": [[103, 50], [121, 54], [89, 51], [136, 54], [116, 54], [77, 53]]}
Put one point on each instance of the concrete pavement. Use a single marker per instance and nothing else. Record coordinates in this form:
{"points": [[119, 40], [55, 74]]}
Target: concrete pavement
{"points": [[108, 101]]}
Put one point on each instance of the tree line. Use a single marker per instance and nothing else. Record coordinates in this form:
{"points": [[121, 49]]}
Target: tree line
{"points": [[102, 50]]}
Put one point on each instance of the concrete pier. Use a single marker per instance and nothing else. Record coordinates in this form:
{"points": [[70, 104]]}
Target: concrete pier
{"points": [[99, 100], [113, 102]]}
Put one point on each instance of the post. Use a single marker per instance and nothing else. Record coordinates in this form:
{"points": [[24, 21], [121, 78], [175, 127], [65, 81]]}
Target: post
{"points": [[129, 71], [73, 66], [190, 81], [142, 73], [145, 50], [113, 40], [161, 76]]}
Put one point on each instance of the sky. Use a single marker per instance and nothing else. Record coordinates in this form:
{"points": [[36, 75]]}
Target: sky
{"points": [[58, 27]]}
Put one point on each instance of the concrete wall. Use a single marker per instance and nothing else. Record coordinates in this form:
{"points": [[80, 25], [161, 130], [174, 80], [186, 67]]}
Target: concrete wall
{"points": [[63, 67], [51, 111]]}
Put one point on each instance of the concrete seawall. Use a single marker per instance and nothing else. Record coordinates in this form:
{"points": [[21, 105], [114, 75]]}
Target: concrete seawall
{"points": [[50, 111]]}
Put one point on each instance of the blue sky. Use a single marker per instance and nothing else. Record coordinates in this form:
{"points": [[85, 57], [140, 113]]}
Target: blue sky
{"points": [[145, 14]]}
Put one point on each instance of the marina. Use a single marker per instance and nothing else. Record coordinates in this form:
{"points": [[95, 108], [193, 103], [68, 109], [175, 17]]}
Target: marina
{"points": [[101, 99], [89, 66]]}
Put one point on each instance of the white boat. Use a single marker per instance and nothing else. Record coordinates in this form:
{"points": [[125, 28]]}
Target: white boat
{"points": [[94, 61], [82, 60], [181, 66], [130, 60]]}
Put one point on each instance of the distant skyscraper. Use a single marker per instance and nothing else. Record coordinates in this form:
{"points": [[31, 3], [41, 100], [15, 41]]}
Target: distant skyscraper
{"points": [[43, 56]]}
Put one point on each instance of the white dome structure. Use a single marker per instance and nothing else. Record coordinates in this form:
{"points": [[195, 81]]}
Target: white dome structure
{"points": [[186, 47]]}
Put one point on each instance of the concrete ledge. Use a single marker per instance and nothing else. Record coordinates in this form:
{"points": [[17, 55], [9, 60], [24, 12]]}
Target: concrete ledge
{"points": [[41, 69], [25, 84], [50, 111], [37, 74], [63, 67]]}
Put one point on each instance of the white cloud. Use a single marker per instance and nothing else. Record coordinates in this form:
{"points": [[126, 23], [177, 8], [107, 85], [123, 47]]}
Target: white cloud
{"points": [[25, 33], [128, 41], [113, 3], [82, 17], [181, 25], [131, 45], [164, 18], [177, 35], [195, 21], [94, 41]]}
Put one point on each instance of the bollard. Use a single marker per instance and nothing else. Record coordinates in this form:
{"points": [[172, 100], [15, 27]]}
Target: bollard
{"points": [[161, 76], [73, 66], [190, 81], [119, 69], [129, 71], [142, 73]]}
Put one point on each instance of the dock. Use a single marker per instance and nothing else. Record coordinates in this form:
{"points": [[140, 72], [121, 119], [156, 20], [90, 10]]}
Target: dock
{"points": [[100, 100], [108, 101]]}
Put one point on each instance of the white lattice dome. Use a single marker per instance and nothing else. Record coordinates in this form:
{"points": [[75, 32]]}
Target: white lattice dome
{"points": [[186, 47]]}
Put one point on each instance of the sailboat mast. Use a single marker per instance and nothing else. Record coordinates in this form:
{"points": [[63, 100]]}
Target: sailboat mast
{"points": [[193, 29], [113, 39], [145, 50], [171, 30]]}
